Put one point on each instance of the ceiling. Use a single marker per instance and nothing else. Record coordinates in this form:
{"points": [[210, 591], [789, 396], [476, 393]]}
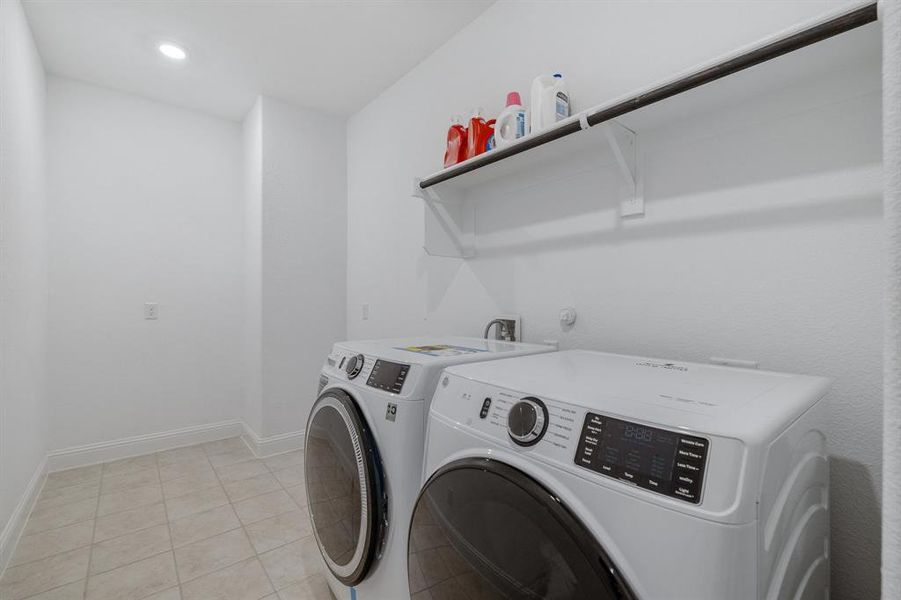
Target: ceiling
{"points": [[333, 56]]}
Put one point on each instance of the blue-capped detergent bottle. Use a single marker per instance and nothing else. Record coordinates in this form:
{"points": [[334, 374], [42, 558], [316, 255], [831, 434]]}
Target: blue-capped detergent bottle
{"points": [[550, 101]]}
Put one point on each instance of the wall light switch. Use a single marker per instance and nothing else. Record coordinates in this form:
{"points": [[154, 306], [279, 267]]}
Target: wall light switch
{"points": [[151, 310]]}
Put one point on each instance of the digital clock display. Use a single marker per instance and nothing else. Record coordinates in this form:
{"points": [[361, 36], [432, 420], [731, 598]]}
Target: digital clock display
{"points": [[663, 461], [639, 453], [638, 433]]}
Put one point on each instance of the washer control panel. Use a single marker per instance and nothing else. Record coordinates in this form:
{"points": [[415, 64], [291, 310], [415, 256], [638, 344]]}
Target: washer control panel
{"points": [[388, 376], [655, 459], [371, 371]]}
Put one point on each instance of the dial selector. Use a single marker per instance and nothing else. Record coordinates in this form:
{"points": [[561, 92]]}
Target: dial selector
{"points": [[527, 421], [354, 366]]}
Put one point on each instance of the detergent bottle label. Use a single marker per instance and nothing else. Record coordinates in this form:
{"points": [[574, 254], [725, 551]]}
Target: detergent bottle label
{"points": [[520, 124], [562, 108]]}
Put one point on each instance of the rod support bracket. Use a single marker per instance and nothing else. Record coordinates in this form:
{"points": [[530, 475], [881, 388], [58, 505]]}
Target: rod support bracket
{"points": [[583, 121], [455, 219], [418, 192], [623, 144]]}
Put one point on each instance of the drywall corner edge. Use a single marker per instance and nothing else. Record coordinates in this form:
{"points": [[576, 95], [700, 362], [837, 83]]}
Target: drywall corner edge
{"points": [[264, 447]]}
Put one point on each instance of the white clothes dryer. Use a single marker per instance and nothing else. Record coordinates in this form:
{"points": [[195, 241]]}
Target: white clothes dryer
{"points": [[582, 475]]}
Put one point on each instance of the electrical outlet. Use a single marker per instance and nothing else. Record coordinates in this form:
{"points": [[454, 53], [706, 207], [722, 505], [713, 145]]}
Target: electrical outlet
{"points": [[364, 311], [151, 311]]}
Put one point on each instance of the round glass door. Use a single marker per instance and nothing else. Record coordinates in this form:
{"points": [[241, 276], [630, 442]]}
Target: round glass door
{"points": [[344, 486], [483, 530]]}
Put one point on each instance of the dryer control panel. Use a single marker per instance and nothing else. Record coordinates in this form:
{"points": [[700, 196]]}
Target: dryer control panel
{"points": [[665, 461], [655, 459], [601, 438]]}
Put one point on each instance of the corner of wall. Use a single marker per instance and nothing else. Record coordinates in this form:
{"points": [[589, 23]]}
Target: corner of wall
{"points": [[295, 262], [264, 447], [253, 198], [15, 525], [24, 414]]}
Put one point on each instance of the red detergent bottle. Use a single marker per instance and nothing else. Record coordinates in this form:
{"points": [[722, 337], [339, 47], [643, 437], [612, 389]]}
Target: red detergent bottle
{"points": [[478, 134], [490, 142], [456, 142]]}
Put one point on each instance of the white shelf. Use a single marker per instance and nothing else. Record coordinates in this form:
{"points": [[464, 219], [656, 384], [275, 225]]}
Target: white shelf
{"points": [[610, 133]]}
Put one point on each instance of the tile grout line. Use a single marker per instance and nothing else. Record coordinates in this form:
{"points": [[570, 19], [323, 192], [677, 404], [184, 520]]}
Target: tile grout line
{"points": [[93, 543], [256, 555], [29, 562], [243, 527], [84, 592], [172, 543], [228, 500], [169, 524], [231, 504], [300, 508]]}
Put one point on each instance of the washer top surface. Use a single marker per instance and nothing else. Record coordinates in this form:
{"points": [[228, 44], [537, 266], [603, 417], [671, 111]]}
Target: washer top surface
{"points": [[743, 403], [439, 351]]}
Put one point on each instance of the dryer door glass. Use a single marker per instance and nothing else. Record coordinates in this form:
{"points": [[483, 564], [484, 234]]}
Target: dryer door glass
{"points": [[343, 482], [484, 530]]}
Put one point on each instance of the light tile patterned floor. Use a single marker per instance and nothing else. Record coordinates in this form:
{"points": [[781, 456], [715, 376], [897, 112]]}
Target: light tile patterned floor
{"points": [[205, 522]]}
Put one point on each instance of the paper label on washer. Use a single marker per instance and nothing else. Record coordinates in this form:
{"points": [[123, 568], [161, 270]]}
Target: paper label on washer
{"points": [[391, 413], [441, 350]]}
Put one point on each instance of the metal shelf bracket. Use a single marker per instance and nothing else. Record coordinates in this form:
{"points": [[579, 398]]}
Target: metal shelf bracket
{"points": [[454, 217], [624, 145]]}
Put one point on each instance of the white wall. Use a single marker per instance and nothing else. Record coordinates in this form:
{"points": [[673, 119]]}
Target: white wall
{"points": [[145, 206], [23, 265], [304, 256], [296, 249], [761, 239]]}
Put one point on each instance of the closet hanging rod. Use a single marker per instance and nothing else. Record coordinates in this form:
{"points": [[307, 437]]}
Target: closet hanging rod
{"points": [[834, 26]]}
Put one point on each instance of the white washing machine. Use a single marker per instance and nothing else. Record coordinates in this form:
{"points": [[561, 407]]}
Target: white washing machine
{"points": [[582, 475], [364, 449]]}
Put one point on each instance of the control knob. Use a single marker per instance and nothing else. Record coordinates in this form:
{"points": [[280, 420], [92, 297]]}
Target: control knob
{"points": [[527, 421], [354, 366]]}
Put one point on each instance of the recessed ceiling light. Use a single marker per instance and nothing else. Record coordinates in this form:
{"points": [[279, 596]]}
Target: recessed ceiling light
{"points": [[172, 51]]}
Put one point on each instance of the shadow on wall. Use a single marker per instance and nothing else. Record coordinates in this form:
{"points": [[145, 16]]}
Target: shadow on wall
{"points": [[853, 486], [782, 166], [822, 164], [805, 212]]}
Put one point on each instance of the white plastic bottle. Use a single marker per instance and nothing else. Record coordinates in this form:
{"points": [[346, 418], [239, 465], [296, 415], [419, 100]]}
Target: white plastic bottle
{"points": [[550, 101], [511, 124]]}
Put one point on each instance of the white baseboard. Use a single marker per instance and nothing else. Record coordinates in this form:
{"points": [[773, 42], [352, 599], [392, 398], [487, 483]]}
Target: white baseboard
{"points": [[92, 454], [273, 444], [9, 538]]}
